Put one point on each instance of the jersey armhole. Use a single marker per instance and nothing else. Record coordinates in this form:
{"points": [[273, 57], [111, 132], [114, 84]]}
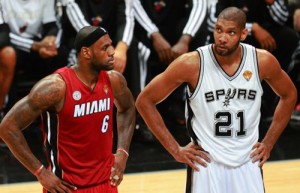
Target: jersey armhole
{"points": [[192, 95], [255, 59]]}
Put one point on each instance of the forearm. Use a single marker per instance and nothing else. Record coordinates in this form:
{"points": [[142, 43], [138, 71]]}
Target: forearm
{"points": [[125, 126], [17, 144], [280, 120], [122, 47], [155, 123], [185, 39]]}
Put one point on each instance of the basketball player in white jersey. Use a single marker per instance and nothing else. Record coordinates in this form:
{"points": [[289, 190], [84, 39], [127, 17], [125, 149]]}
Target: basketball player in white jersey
{"points": [[223, 109]]}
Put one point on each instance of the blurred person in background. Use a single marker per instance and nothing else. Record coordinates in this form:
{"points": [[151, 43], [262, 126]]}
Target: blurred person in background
{"points": [[295, 63], [165, 29], [33, 34], [7, 64]]}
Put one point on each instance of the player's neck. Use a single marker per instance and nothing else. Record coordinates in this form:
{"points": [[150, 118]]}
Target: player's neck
{"points": [[230, 63], [86, 76], [231, 58]]}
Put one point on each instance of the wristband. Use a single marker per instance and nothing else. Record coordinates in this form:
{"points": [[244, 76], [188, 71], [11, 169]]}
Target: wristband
{"points": [[124, 151], [38, 171]]}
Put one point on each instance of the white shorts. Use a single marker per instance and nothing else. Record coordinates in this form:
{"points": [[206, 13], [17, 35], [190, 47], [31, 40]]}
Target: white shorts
{"points": [[218, 178]]}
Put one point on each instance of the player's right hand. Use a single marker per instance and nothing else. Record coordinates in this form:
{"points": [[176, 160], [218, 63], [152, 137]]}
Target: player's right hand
{"points": [[53, 184], [192, 153]]}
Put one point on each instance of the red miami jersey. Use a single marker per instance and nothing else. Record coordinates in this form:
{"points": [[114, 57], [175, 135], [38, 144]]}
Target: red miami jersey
{"points": [[79, 138]]}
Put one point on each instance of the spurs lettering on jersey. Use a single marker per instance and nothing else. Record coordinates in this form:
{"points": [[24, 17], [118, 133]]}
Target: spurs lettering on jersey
{"points": [[229, 94]]}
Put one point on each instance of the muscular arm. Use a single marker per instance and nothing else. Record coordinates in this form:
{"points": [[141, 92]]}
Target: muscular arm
{"points": [[181, 70], [125, 109], [282, 85], [46, 94], [125, 122]]}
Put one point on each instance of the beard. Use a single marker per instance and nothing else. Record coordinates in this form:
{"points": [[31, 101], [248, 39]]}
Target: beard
{"points": [[98, 66], [224, 50]]}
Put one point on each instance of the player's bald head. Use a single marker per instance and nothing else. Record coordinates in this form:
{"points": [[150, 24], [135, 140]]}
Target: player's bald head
{"points": [[234, 14]]}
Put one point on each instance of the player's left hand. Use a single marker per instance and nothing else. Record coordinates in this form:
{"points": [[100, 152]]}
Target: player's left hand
{"points": [[261, 153], [120, 57], [117, 171], [180, 48]]}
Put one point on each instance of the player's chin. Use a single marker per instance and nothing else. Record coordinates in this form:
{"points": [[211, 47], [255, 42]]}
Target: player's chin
{"points": [[110, 65]]}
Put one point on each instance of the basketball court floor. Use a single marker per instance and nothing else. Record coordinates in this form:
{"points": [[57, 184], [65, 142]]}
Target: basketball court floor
{"points": [[150, 169], [279, 177]]}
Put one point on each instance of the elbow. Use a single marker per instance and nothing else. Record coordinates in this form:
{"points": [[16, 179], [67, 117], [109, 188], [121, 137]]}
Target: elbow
{"points": [[292, 97], [139, 103], [3, 133]]}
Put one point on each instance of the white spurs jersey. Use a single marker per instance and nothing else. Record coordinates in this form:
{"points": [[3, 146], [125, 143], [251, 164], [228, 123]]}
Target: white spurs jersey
{"points": [[226, 109]]}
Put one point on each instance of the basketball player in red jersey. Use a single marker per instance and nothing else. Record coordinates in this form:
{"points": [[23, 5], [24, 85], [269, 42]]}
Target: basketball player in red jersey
{"points": [[76, 104]]}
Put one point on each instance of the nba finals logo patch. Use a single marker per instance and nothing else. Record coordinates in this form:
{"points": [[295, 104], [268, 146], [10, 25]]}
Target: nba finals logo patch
{"points": [[247, 75], [76, 95], [105, 89]]}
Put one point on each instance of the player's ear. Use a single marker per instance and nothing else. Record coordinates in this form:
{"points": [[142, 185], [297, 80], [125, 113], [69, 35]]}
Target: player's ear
{"points": [[86, 52], [244, 34]]}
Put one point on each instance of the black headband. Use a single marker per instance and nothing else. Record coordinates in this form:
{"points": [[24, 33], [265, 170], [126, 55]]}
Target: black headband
{"points": [[90, 39]]}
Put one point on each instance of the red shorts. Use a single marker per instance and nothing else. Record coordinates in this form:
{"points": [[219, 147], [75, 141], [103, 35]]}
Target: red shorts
{"points": [[104, 187]]}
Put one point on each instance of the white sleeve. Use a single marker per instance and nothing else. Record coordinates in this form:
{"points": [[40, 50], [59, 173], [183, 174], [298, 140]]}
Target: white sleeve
{"points": [[196, 18], [212, 19], [20, 42], [75, 15], [49, 12], [1, 13], [129, 23], [143, 18], [279, 12]]}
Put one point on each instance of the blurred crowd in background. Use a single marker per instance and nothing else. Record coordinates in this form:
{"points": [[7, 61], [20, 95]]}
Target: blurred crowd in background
{"points": [[36, 38]]}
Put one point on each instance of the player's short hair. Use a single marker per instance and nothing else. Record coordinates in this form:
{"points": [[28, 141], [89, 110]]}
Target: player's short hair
{"points": [[234, 14]]}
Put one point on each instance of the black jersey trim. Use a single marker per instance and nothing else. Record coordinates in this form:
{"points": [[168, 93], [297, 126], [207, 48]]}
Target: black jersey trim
{"points": [[200, 75], [189, 177], [50, 129], [219, 67], [255, 60]]}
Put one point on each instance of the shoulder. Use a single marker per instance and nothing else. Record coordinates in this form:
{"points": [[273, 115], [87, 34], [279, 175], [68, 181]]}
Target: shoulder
{"points": [[190, 57], [48, 92], [53, 82], [187, 63], [117, 81], [190, 60], [264, 55], [115, 76], [267, 63]]}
